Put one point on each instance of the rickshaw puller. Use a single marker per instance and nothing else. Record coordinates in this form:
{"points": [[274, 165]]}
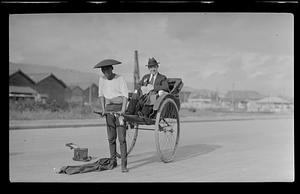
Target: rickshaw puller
{"points": [[113, 94]]}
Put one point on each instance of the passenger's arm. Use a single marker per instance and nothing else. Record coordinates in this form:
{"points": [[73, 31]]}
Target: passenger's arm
{"points": [[141, 83], [163, 85]]}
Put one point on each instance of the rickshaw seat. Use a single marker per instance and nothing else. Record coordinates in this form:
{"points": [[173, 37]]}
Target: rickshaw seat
{"points": [[175, 85]]}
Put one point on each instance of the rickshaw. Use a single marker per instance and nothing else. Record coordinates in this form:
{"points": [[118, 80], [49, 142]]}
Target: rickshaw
{"points": [[166, 123]]}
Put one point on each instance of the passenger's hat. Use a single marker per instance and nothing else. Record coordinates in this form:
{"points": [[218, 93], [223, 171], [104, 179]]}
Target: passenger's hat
{"points": [[107, 62], [152, 62]]}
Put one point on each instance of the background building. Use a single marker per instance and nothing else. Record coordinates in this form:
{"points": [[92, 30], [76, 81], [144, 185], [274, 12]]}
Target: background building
{"points": [[74, 94], [17, 93], [238, 99], [272, 104], [50, 85], [19, 78], [90, 94]]}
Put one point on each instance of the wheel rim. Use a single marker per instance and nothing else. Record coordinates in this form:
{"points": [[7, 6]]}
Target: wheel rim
{"points": [[131, 136], [167, 128]]}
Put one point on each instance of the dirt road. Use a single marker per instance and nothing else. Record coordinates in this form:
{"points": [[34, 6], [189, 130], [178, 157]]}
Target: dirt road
{"points": [[249, 150]]}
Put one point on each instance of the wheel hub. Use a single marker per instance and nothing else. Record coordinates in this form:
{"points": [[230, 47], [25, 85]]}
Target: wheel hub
{"points": [[166, 129]]}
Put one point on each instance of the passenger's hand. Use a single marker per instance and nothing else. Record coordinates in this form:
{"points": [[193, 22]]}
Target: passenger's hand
{"points": [[120, 112], [150, 87], [144, 90]]}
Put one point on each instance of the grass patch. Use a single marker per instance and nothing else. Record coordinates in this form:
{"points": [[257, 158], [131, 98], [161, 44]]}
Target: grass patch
{"points": [[34, 111], [43, 112]]}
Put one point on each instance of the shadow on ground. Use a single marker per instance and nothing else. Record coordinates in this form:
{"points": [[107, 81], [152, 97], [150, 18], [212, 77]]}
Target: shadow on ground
{"points": [[182, 153]]}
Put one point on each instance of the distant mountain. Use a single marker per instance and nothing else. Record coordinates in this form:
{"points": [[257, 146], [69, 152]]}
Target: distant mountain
{"points": [[291, 99], [198, 93], [244, 94], [187, 89], [83, 79], [68, 76], [207, 93], [202, 93]]}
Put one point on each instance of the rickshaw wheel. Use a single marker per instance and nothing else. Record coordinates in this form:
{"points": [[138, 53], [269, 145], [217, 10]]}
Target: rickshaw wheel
{"points": [[131, 136], [167, 128]]}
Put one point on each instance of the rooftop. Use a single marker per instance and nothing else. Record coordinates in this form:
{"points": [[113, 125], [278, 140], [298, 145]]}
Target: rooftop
{"points": [[37, 77], [272, 99], [21, 90]]}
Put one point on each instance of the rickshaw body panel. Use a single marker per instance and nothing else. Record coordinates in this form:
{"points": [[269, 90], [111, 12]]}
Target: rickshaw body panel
{"points": [[161, 98]]}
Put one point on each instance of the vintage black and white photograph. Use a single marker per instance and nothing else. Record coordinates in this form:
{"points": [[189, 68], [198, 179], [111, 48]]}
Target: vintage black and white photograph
{"points": [[151, 97]]}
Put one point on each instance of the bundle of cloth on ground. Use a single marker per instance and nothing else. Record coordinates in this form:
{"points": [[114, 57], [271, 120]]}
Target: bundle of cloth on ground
{"points": [[99, 165]]}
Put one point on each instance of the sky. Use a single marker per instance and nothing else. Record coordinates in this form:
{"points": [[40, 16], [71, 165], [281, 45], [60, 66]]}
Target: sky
{"points": [[217, 51]]}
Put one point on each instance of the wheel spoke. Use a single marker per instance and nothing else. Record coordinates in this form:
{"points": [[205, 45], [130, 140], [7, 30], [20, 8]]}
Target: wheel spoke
{"points": [[167, 138], [167, 130], [166, 122]]}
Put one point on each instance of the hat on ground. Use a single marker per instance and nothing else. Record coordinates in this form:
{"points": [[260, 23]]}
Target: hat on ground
{"points": [[107, 62], [81, 154], [152, 62]]}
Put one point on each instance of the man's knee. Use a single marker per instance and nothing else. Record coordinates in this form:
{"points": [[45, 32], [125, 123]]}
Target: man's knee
{"points": [[111, 134], [112, 139], [147, 110], [135, 96], [132, 106], [122, 140]]}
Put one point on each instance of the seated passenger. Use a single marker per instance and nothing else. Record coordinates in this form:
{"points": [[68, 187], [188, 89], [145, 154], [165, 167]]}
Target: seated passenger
{"points": [[151, 85]]}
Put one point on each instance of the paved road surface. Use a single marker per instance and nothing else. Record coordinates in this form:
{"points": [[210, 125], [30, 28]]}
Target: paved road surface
{"points": [[253, 150]]}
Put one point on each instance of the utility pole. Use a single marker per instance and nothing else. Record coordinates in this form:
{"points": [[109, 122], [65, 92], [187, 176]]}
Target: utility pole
{"points": [[217, 96], [232, 97], [90, 95], [136, 71]]}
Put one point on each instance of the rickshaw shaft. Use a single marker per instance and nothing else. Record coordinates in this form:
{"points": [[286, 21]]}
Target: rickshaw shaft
{"points": [[146, 129]]}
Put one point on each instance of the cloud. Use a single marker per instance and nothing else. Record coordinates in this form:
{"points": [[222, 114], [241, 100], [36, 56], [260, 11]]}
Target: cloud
{"points": [[267, 75], [261, 33]]}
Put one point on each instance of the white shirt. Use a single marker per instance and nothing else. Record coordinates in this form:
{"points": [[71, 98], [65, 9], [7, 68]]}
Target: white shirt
{"points": [[112, 88], [149, 87], [153, 78]]}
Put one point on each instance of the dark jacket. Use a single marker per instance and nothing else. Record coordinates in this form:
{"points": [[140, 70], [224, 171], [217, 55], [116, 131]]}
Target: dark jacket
{"points": [[159, 84]]}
